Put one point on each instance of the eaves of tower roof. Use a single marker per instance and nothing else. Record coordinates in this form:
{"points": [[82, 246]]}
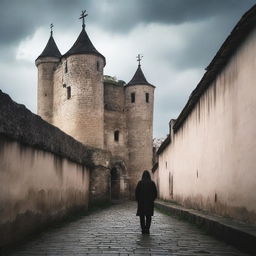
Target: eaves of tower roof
{"points": [[139, 78], [50, 50], [83, 45]]}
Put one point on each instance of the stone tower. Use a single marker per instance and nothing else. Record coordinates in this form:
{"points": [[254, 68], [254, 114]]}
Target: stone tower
{"points": [[139, 100], [70, 89], [46, 64], [82, 110]]}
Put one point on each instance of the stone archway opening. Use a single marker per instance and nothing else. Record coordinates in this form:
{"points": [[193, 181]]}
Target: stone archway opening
{"points": [[115, 184]]}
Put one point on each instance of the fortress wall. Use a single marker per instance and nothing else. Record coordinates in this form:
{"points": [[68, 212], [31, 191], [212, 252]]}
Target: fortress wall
{"points": [[212, 156], [44, 173], [115, 120], [139, 124], [114, 96], [81, 116]]}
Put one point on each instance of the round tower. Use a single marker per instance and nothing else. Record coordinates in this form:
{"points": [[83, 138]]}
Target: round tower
{"points": [[83, 109], [46, 63], [139, 100]]}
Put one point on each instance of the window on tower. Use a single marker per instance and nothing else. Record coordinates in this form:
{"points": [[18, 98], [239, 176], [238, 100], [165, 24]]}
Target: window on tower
{"points": [[68, 92], [98, 66], [66, 67], [132, 97], [116, 136], [147, 97]]}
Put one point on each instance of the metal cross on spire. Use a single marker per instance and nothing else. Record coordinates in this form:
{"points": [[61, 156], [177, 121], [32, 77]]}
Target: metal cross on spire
{"points": [[51, 26], [83, 15], [139, 57]]}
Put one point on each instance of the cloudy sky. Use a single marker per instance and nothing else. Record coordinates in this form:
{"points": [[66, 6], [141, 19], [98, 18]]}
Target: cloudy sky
{"points": [[178, 39]]}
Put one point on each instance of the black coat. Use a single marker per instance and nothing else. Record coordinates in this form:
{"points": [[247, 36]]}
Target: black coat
{"points": [[145, 195]]}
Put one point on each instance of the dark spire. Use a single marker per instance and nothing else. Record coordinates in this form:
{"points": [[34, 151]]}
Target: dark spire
{"points": [[51, 49], [83, 44], [139, 77]]}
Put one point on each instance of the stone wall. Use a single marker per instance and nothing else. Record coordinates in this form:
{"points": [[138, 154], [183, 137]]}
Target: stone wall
{"points": [[211, 157], [44, 173], [140, 132], [115, 120]]}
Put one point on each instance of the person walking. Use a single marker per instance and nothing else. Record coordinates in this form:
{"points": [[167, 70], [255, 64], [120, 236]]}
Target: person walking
{"points": [[145, 194]]}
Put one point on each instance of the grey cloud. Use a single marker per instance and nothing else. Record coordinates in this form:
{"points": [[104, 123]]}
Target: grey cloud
{"points": [[201, 45], [123, 15], [20, 18]]}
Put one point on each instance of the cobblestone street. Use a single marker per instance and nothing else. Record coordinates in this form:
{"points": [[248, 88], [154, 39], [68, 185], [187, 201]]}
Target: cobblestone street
{"points": [[115, 231]]}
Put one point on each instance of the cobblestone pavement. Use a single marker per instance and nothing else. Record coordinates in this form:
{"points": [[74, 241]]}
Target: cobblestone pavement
{"points": [[115, 231]]}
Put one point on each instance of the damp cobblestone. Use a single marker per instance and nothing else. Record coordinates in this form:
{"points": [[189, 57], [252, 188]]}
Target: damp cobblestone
{"points": [[116, 231]]}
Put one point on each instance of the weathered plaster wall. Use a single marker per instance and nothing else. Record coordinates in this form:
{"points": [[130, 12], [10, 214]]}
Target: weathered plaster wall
{"points": [[44, 173], [139, 125], [212, 156], [155, 178], [37, 186], [80, 116]]}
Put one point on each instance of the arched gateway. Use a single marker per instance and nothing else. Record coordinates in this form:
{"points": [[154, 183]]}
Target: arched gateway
{"points": [[119, 181]]}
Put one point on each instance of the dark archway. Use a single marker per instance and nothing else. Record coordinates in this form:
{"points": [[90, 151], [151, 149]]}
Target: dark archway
{"points": [[115, 184]]}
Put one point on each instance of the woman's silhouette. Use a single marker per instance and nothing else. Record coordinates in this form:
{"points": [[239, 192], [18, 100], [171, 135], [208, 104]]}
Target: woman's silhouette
{"points": [[145, 195]]}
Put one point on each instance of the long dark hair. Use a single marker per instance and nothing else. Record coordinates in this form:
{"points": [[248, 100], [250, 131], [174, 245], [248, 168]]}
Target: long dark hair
{"points": [[146, 176]]}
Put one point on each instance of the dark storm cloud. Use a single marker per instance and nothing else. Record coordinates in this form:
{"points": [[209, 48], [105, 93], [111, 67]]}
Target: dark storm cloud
{"points": [[20, 18], [178, 11], [122, 15]]}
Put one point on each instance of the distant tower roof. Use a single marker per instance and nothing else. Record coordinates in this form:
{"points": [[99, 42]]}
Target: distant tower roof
{"points": [[83, 44], [139, 77], [51, 49]]}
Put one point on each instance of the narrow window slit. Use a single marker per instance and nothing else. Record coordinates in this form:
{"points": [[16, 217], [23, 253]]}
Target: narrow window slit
{"points": [[147, 97], [133, 97], [66, 67], [116, 136], [68, 92]]}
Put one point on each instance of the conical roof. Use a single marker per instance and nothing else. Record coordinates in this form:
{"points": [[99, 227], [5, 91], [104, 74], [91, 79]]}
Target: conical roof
{"points": [[50, 50], [83, 45], [139, 78]]}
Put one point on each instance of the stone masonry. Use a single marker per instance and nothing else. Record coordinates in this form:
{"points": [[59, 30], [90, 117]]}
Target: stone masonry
{"points": [[97, 110]]}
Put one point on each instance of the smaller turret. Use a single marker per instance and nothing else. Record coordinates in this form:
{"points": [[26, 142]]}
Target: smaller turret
{"points": [[46, 64], [139, 101]]}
